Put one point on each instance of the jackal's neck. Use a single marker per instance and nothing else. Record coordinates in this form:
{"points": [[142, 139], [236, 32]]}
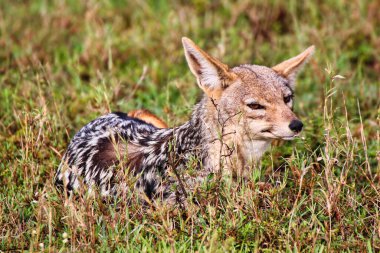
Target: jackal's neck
{"points": [[191, 138], [222, 147], [219, 149], [199, 136]]}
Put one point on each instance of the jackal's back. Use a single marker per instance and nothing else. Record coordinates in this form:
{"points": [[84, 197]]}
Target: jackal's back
{"points": [[95, 150]]}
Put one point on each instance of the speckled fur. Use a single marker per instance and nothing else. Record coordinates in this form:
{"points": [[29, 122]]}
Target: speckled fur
{"points": [[98, 149]]}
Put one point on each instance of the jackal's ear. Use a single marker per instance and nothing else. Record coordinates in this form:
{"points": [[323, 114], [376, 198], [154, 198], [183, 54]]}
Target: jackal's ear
{"points": [[290, 68], [212, 75]]}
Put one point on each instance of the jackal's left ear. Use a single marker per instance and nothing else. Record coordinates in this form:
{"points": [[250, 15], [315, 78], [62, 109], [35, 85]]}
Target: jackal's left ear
{"points": [[290, 68], [212, 75]]}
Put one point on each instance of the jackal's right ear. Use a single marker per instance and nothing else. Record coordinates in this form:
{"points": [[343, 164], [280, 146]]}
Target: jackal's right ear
{"points": [[212, 75], [290, 68]]}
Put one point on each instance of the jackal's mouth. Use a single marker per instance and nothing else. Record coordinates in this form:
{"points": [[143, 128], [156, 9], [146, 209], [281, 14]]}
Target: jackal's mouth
{"points": [[289, 138], [268, 133]]}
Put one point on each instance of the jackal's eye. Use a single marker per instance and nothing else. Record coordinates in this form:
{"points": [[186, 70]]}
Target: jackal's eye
{"points": [[255, 106], [287, 99]]}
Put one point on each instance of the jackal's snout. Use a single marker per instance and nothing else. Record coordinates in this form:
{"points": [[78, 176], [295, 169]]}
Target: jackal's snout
{"points": [[296, 126]]}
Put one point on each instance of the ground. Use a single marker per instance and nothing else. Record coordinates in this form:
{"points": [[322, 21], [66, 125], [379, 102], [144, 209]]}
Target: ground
{"points": [[64, 63]]}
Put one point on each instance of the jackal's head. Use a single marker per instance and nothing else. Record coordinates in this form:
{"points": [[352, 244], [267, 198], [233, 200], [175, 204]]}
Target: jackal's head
{"points": [[254, 101]]}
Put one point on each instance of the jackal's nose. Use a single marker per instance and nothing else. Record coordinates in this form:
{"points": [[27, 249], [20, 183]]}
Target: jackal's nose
{"points": [[296, 126]]}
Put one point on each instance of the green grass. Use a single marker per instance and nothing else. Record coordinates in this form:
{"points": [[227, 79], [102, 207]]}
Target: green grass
{"points": [[64, 63]]}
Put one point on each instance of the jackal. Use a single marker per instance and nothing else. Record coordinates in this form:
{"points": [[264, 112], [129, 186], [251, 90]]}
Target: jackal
{"points": [[242, 110]]}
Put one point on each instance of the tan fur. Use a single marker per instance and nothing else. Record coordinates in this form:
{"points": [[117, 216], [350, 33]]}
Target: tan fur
{"points": [[148, 117], [241, 134]]}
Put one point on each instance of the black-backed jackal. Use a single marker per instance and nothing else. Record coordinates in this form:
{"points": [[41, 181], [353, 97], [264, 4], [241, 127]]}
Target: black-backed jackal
{"points": [[243, 109]]}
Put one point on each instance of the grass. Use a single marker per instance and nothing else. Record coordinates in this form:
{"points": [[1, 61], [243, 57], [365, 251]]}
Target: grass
{"points": [[64, 63]]}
